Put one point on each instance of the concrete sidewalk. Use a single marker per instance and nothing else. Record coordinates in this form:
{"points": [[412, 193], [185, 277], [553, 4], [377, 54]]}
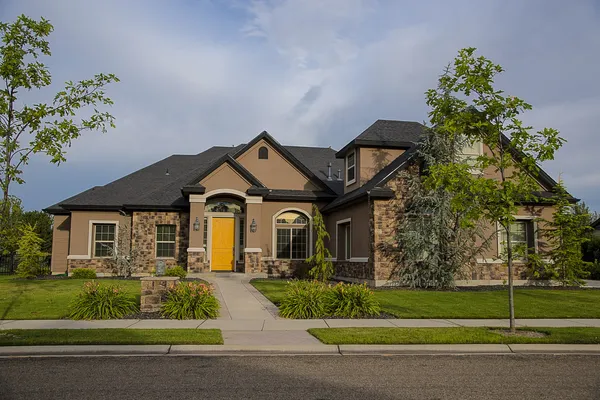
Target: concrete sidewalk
{"points": [[297, 349], [272, 324]]}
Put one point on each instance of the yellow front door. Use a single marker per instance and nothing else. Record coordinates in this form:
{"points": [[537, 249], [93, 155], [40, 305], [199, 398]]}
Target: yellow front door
{"points": [[223, 235]]}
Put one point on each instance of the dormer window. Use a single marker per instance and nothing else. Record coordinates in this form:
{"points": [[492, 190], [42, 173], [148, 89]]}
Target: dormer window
{"points": [[350, 168], [263, 153]]}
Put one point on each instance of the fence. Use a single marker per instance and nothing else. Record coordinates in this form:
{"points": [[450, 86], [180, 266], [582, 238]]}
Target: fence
{"points": [[9, 263]]}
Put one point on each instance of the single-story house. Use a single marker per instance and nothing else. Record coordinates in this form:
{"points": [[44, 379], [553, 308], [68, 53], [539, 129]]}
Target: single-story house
{"points": [[249, 209]]}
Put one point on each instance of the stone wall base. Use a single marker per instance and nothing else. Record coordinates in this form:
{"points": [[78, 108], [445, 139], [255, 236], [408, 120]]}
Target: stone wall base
{"points": [[100, 265], [252, 262], [285, 268], [354, 269], [196, 262], [154, 288]]}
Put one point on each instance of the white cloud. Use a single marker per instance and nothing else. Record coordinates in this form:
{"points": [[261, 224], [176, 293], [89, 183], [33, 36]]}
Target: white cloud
{"points": [[310, 72]]}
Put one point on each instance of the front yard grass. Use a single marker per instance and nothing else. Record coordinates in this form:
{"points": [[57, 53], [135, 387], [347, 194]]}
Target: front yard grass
{"points": [[48, 298], [38, 337], [529, 303], [452, 336]]}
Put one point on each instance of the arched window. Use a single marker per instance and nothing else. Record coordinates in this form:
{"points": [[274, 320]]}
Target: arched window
{"points": [[291, 229], [223, 205], [263, 153]]}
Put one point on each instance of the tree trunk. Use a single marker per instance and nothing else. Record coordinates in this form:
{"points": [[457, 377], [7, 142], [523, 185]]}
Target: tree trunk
{"points": [[511, 297]]}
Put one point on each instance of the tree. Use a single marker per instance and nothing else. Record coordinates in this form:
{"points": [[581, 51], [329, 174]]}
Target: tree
{"points": [[27, 129], [42, 224], [322, 267], [10, 225], [435, 239], [30, 253], [467, 103], [567, 232], [583, 209], [124, 259]]}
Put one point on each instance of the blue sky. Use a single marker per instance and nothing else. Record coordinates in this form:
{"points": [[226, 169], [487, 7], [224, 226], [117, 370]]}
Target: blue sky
{"points": [[199, 73]]}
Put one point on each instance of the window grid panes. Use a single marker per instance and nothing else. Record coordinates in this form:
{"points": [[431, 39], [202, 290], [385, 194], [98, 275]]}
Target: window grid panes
{"points": [[241, 242], [104, 239], [284, 243], [292, 236], [518, 231], [165, 241], [351, 167], [205, 239], [292, 218]]}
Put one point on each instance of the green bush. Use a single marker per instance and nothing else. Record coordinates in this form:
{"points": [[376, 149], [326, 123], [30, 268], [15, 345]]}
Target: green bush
{"points": [[101, 302], [83, 273], [176, 271], [593, 268], [351, 301], [190, 300], [31, 256], [304, 300]]}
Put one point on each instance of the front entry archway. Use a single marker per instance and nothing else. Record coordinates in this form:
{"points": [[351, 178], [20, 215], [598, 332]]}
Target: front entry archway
{"points": [[224, 233]]}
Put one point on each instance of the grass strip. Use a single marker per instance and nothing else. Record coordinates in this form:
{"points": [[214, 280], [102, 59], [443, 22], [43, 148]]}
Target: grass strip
{"points": [[452, 336], [33, 337], [493, 303]]}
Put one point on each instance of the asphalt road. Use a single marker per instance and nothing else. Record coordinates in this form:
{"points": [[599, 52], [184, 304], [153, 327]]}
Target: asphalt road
{"points": [[302, 377]]}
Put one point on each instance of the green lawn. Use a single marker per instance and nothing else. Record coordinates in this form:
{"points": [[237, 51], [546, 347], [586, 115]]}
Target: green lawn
{"points": [[47, 299], [529, 303], [33, 337], [451, 336]]}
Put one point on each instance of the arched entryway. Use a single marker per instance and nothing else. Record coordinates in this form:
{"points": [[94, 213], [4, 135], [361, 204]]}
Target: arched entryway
{"points": [[224, 233]]}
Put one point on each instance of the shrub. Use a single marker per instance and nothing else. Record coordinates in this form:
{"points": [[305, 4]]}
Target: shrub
{"points": [[351, 301], [83, 273], [102, 302], [176, 271], [191, 300], [304, 300], [30, 253]]}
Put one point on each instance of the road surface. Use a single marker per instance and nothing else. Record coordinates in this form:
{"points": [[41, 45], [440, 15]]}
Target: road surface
{"points": [[303, 377]]}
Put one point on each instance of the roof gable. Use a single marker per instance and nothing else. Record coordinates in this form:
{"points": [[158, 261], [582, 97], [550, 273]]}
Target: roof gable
{"points": [[282, 170]]}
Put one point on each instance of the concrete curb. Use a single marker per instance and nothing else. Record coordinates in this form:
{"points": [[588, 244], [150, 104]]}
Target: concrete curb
{"points": [[278, 350]]}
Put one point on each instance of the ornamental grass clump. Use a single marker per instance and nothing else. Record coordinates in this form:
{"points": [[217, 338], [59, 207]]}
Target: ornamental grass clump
{"points": [[102, 302], [304, 300], [351, 301], [176, 271], [83, 273], [191, 300]]}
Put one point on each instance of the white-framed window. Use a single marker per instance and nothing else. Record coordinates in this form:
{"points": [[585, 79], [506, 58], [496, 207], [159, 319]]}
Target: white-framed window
{"points": [[104, 239], [291, 229], [165, 241], [469, 154], [351, 168], [241, 243], [522, 238], [344, 240]]}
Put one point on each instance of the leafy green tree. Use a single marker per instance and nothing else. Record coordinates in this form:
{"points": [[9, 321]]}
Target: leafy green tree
{"points": [[566, 233], [435, 239], [10, 225], [467, 103], [30, 253], [42, 224], [48, 128], [322, 267]]}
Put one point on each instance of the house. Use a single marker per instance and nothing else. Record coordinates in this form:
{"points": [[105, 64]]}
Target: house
{"points": [[248, 209]]}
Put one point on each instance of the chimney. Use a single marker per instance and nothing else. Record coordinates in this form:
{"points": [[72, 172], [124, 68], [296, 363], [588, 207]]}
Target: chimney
{"points": [[340, 175], [329, 171]]}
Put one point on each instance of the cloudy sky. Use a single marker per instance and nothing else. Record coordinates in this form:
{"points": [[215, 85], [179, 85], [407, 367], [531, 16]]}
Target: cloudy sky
{"points": [[198, 73]]}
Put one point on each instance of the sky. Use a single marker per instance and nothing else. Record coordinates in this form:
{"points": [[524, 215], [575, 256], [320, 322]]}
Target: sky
{"points": [[199, 73]]}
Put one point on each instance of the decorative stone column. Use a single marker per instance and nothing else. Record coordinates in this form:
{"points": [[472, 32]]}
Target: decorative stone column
{"points": [[154, 288], [253, 250], [252, 260], [196, 253]]}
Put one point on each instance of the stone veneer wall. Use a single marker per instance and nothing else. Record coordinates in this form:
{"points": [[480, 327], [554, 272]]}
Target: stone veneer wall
{"points": [[285, 268], [144, 237], [353, 270], [252, 262], [101, 265], [196, 262], [153, 291], [496, 271]]}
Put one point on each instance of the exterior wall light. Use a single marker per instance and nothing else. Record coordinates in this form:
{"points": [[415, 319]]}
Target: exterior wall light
{"points": [[196, 224], [253, 226]]}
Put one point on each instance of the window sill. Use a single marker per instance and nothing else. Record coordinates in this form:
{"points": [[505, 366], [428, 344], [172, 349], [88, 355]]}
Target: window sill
{"points": [[164, 258], [352, 182]]}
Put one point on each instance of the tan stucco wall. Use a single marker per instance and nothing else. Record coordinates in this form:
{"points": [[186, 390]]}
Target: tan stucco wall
{"points": [[265, 226], [60, 243], [275, 172], [225, 177], [80, 228], [359, 229], [374, 160]]}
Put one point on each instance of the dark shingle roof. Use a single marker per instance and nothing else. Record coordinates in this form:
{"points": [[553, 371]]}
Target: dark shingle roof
{"points": [[151, 187], [387, 133]]}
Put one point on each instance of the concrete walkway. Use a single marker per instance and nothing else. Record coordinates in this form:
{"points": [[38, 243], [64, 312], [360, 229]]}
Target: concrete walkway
{"points": [[240, 300]]}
